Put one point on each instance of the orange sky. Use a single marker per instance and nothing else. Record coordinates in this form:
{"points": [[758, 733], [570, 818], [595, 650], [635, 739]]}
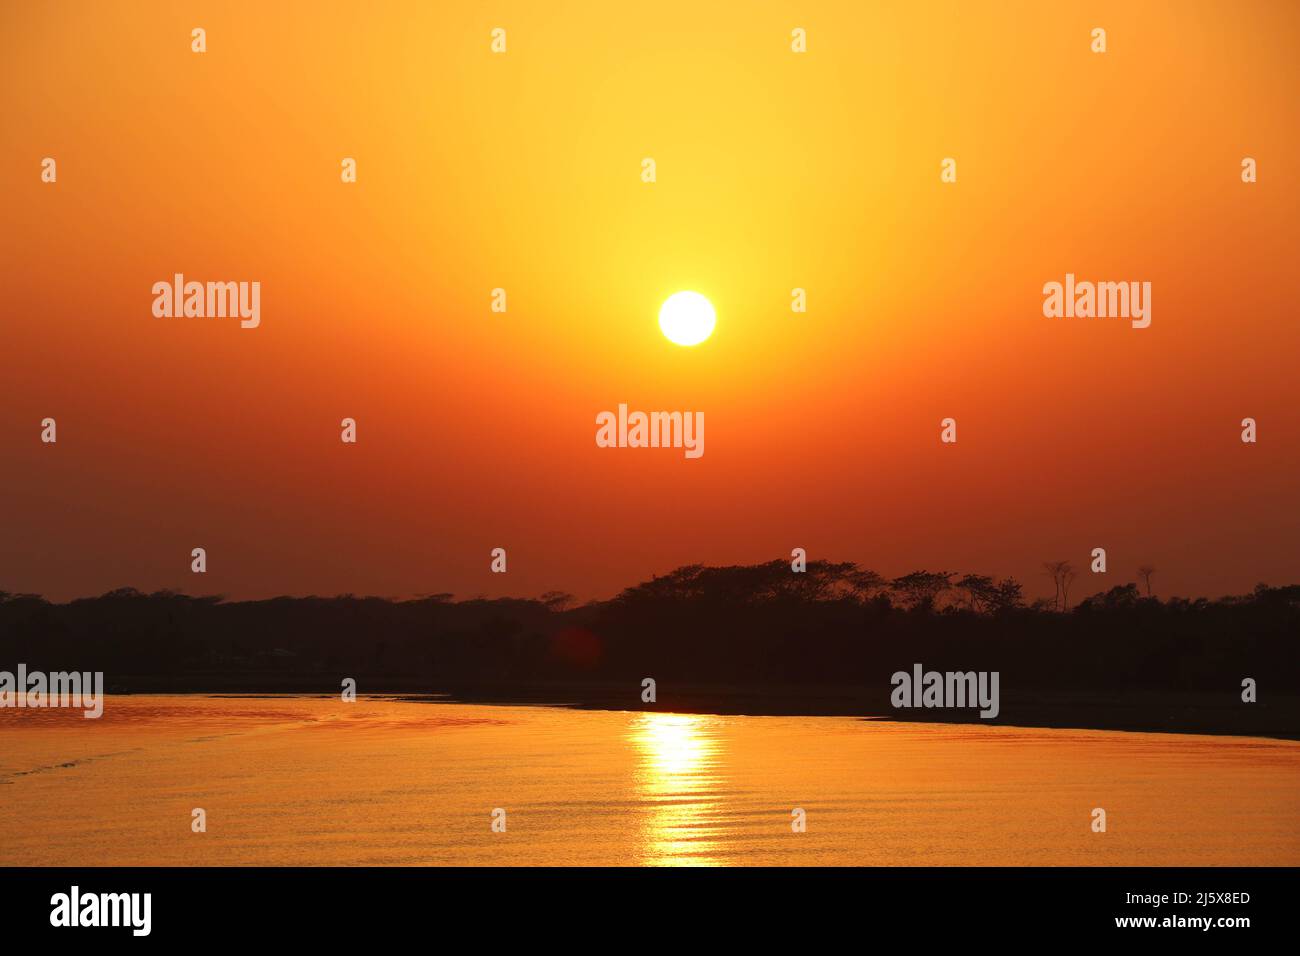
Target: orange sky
{"points": [[522, 171]]}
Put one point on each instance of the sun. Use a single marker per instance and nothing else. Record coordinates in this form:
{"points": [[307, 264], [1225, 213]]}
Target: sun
{"points": [[687, 318]]}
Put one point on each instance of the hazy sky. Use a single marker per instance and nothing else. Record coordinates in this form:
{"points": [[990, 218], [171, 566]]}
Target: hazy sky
{"points": [[522, 171]]}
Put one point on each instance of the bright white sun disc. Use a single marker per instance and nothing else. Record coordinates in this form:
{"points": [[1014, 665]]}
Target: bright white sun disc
{"points": [[687, 318]]}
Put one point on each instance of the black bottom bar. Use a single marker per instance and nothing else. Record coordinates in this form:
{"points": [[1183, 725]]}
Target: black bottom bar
{"points": [[676, 907]]}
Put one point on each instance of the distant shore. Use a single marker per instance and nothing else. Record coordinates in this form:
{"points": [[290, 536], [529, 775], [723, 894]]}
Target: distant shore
{"points": [[1137, 711], [744, 639]]}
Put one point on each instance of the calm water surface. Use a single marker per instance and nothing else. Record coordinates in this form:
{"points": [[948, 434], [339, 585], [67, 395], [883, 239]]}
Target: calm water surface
{"points": [[303, 780]]}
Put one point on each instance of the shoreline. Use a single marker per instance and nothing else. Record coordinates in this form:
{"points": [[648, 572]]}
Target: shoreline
{"points": [[1133, 711]]}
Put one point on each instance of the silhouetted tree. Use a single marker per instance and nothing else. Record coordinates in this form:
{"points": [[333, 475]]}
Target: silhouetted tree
{"points": [[1063, 575], [1145, 573], [755, 627], [557, 600], [1120, 597], [979, 589], [920, 590], [1067, 578], [867, 584], [1005, 596]]}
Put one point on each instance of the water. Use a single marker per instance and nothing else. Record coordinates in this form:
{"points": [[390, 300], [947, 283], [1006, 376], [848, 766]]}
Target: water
{"points": [[303, 780]]}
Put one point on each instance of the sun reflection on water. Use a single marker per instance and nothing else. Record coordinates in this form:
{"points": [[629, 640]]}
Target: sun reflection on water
{"points": [[678, 777]]}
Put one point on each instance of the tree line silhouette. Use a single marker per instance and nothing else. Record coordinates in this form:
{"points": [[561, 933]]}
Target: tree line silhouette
{"points": [[762, 632]]}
